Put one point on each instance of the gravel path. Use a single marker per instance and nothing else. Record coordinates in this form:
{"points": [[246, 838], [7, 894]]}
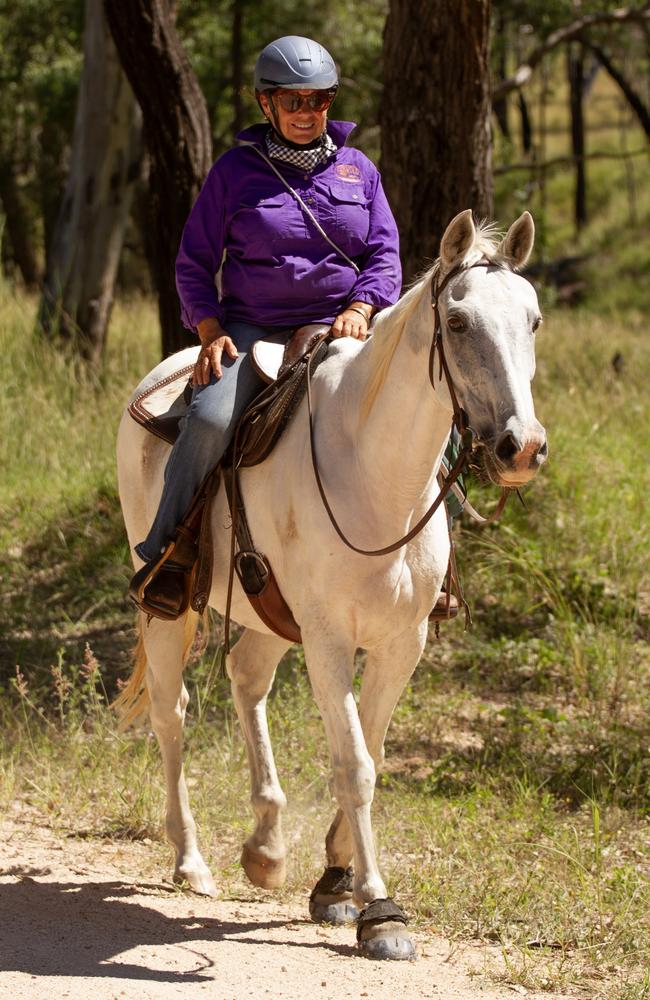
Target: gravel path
{"points": [[76, 922]]}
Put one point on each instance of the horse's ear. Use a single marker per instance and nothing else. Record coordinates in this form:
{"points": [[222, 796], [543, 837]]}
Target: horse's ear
{"points": [[517, 244], [457, 239]]}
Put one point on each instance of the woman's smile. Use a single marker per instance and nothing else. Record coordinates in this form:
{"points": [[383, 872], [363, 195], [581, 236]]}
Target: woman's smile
{"points": [[301, 126]]}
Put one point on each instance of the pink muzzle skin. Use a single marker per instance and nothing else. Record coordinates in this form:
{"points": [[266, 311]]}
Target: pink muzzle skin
{"points": [[518, 460]]}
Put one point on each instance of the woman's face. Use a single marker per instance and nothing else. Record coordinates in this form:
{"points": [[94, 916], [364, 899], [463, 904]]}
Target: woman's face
{"points": [[301, 126]]}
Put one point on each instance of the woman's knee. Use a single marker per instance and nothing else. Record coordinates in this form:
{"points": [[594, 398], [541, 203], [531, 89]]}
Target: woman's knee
{"points": [[210, 407]]}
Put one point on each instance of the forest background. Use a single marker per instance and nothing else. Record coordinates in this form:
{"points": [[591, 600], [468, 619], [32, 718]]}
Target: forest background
{"points": [[514, 805]]}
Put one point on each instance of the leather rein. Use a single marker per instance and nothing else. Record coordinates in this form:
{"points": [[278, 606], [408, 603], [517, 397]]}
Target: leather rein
{"points": [[469, 438]]}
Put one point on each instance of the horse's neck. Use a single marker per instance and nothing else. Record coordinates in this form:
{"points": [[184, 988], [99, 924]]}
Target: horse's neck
{"points": [[399, 445]]}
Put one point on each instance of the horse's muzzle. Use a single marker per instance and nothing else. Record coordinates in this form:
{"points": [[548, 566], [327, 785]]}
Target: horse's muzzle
{"points": [[517, 454]]}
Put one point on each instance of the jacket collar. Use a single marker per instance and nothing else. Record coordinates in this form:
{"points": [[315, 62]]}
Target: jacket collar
{"points": [[338, 131]]}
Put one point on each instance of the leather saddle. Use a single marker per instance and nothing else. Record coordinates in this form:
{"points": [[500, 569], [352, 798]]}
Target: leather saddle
{"points": [[282, 365], [160, 407]]}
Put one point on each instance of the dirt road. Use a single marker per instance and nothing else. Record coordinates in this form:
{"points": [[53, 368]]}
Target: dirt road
{"points": [[76, 921]]}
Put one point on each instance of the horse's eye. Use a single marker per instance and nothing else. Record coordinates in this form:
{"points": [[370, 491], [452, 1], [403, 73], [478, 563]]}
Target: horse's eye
{"points": [[456, 323], [537, 323]]}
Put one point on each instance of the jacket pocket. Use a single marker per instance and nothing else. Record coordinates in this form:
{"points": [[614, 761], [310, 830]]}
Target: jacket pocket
{"points": [[268, 221], [352, 214]]}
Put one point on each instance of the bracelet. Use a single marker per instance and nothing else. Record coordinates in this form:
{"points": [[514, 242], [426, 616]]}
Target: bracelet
{"points": [[360, 311]]}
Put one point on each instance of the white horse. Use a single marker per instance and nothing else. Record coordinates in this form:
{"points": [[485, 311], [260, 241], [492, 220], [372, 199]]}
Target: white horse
{"points": [[381, 430]]}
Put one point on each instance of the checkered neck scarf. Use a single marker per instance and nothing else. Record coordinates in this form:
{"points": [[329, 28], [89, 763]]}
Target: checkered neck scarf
{"points": [[303, 159]]}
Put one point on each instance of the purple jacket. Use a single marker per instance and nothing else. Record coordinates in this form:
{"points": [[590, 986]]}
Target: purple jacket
{"points": [[278, 270]]}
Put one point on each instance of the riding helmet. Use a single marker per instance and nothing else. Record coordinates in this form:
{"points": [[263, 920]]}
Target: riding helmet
{"points": [[295, 63]]}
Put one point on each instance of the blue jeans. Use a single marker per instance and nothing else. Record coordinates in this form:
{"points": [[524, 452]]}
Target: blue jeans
{"points": [[205, 432]]}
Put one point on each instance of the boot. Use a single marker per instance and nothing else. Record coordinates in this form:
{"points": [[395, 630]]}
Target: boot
{"points": [[440, 612], [162, 588]]}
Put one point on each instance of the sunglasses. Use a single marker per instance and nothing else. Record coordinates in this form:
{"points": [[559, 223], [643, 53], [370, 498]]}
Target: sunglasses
{"points": [[290, 100]]}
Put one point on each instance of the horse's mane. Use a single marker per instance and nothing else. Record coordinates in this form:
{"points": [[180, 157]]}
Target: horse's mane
{"points": [[388, 328]]}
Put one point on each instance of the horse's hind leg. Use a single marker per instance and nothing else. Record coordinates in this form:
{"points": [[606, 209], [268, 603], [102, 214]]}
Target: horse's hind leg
{"points": [[165, 644], [251, 667]]}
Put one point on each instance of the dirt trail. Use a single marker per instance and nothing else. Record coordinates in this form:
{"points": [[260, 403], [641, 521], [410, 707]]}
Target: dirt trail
{"points": [[76, 922]]}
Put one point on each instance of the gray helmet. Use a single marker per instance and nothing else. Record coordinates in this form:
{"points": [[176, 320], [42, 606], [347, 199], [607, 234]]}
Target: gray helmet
{"points": [[295, 63]]}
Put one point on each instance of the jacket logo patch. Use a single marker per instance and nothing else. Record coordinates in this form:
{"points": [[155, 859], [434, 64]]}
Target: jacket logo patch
{"points": [[348, 172]]}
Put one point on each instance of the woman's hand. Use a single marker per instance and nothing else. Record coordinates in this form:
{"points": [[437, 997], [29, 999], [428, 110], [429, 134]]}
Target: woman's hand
{"points": [[214, 341], [351, 323]]}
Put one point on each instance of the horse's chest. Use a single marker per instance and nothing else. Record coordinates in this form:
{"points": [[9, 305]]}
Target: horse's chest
{"points": [[367, 600]]}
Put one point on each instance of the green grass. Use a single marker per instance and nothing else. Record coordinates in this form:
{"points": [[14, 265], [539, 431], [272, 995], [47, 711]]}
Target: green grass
{"points": [[514, 807], [63, 551]]}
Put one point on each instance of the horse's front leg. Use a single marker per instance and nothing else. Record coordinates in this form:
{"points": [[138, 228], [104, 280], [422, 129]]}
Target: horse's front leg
{"points": [[251, 667], [386, 673], [164, 647], [331, 668]]}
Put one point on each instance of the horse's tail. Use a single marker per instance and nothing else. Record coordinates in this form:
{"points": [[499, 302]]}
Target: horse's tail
{"points": [[133, 700]]}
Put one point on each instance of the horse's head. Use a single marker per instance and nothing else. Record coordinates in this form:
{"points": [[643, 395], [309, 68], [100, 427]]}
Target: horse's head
{"points": [[488, 316]]}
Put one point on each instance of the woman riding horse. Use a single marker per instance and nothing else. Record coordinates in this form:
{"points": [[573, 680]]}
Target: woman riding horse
{"points": [[330, 256]]}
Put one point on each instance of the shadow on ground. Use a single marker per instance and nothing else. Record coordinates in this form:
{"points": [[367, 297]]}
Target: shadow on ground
{"points": [[79, 929]]}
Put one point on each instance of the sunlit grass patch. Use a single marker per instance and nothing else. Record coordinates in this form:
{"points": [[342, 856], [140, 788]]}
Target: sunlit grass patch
{"points": [[565, 894], [59, 418]]}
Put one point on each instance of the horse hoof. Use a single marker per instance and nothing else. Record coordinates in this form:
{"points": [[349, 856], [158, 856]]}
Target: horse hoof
{"points": [[381, 932], [341, 912], [388, 941], [331, 898], [261, 870], [198, 880]]}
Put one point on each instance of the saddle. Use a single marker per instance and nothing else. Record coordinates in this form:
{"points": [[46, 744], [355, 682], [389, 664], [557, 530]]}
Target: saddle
{"points": [[160, 408]]}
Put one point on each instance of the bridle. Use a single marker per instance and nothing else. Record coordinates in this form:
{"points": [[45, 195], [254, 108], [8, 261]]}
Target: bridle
{"points": [[469, 438]]}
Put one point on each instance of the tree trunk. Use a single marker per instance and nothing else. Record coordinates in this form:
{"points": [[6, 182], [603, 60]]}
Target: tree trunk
{"points": [[575, 72], [18, 225], [88, 237], [500, 106], [177, 136], [525, 123], [435, 119]]}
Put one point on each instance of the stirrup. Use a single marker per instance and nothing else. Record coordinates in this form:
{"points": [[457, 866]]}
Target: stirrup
{"points": [[441, 612], [180, 570]]}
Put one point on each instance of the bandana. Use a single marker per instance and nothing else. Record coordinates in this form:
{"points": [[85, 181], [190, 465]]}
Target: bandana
{"points": [[303, 159]]}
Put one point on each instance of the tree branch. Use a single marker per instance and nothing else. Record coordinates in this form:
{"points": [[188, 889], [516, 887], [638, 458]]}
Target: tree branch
{"points": [[632, 97], [565, 161], [523, 73]]}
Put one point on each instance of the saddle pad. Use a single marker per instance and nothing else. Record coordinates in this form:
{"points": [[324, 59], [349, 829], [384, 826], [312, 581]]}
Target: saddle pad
{"points": [[266, 356], [273, 354]]}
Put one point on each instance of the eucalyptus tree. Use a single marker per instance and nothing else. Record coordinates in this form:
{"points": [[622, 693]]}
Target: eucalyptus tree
{"points": [[104, 165], [435, 118], [177, 135]]}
